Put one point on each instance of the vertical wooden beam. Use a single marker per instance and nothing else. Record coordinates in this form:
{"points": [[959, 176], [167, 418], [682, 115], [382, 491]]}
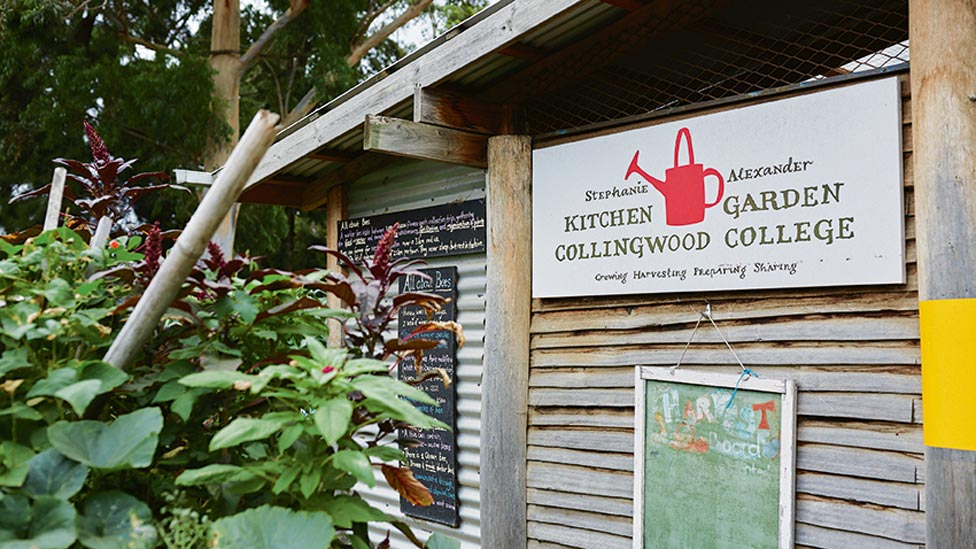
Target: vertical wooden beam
{"points": [[53, 213], [505, 378], [943, 75], [335, 211]]}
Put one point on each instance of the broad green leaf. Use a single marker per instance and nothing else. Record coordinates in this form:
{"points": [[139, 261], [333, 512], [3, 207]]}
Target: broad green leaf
{"points": [[59, 293], [383, 387], [245, 429], [440, 541], [325, 356], [216, 379], [355, 463], [169, 391], [128, 442], [183, 404], [14, 463], [346, 510], [288, 437], [116, 520], [333, 418], [47, 524], [286, 478], [12, 359], [385, 453], [79, 395], [215, 473], [19, 410], [52, 474], [309, 482], [273, 528], [79, 385]]}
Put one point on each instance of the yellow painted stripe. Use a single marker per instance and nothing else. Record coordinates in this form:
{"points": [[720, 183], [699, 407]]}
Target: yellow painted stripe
{"points": [[948, 330]]}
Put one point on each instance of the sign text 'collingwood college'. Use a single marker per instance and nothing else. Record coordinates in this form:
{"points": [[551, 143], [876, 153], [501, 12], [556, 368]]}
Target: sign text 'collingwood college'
{"points": [[804, 191]]}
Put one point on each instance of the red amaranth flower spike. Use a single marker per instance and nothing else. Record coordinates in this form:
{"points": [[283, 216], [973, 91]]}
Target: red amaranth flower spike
{"points": [[98, 149], [215, 257], [384, 248]]}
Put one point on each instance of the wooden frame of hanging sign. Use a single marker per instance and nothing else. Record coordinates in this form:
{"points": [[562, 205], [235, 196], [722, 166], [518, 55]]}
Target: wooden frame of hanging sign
{"points": [[714, 459]]}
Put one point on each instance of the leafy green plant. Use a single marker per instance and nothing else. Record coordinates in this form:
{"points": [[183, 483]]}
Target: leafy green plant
{"points": [[236, 405]]}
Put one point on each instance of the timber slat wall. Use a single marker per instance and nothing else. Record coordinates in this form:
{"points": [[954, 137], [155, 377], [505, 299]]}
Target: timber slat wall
{"points": [[852, 350]]}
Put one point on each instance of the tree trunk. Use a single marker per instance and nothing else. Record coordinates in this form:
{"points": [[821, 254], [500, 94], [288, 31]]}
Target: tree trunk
{"points": [[225, 59]]}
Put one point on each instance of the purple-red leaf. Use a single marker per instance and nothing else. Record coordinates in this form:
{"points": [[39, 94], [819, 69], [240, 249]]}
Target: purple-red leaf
{"points": [[289, 307]]}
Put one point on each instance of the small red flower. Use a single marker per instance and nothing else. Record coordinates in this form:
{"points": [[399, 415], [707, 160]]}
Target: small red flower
{"points": [[328, 369], [114, 244]]}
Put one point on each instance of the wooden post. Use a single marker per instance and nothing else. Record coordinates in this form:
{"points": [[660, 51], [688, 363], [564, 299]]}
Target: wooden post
{"points": [[943, 75], [193, 241], [54, 199], [335, 211], [505, 377]]}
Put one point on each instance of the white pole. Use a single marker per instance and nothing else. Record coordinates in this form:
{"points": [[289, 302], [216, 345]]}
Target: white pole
{"points": [[54, 199]]}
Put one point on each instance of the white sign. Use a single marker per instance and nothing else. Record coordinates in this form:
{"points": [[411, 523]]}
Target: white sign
{"points": [[805, 191]]}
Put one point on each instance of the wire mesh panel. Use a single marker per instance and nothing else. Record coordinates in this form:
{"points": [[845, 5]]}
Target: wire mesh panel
{"points": [[707, 50]]}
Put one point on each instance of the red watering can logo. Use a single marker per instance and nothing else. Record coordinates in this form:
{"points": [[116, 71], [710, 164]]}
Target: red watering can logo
{"points": [[683, 186]]}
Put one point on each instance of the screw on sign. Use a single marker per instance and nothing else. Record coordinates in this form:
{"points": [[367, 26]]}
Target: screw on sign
{"points": [[683, 186]]}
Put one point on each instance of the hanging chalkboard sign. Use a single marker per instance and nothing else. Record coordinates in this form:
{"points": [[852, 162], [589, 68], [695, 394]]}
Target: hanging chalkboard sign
{"points": [[434, 460], [449, 229], [714, 460]]}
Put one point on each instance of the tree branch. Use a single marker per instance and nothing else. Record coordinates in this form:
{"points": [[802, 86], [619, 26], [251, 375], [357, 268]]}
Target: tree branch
{"points": [[359, 51], [367, 20], [126, 35], [250, 57]]}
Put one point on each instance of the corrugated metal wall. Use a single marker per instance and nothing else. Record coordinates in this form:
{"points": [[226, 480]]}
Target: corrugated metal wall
{"points": [[412, 185], [853, 351]]}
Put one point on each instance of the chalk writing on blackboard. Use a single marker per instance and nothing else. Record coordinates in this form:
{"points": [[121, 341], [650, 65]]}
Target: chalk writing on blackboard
{"points": [[449, 229], [434, 460], [729, 458]]}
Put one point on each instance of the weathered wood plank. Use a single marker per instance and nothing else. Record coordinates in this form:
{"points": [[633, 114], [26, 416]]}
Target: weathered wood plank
{"points": [[582, 417], [623, 507], [425, 141], [504, 403], [859, 462], [881, 406], [580, 480], [616, 525], [573, 537], [887, 493], [894, 524], [655, 311], [536, 544], [867, 379], [800, 329], [602, 460], [795, 301], [897, 437], [502, 27], [751, 354], [457, 110], [816, 536], [584, 439]]}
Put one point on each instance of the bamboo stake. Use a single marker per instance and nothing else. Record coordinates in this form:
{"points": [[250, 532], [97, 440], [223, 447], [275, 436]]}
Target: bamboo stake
{"points": [[54, 199], [193, 242]]}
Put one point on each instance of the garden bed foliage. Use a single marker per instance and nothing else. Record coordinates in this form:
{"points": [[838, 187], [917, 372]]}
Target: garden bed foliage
{"points": [[237, 427]]}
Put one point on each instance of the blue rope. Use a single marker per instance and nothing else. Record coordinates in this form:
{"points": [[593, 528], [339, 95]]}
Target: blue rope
{"points": [[745, 372]]}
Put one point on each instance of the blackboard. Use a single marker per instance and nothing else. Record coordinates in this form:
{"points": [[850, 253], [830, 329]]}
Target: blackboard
{"points": [[715, 460], [434, 460], [449, 229]]}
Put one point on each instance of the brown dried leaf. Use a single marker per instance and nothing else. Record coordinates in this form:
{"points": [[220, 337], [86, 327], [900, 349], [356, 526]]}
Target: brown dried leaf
{"points": [[402, 480]]}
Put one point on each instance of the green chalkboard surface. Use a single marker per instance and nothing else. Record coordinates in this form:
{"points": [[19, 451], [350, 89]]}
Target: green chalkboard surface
{"points": [[713, 469]]}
